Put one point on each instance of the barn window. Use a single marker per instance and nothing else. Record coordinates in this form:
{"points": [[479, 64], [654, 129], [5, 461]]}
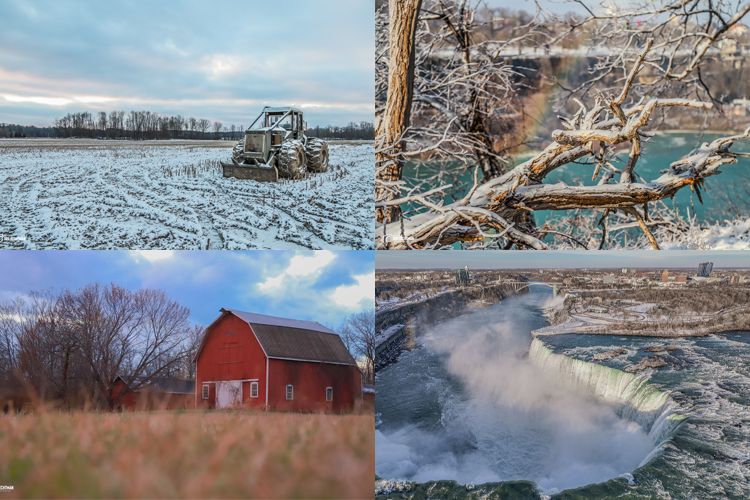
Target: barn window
{"points": [[204, 391], [253, 389], [329, 393], [289, 392]]}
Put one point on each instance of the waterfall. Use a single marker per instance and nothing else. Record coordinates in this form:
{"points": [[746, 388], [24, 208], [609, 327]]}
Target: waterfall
{"points": [[637, 400]]}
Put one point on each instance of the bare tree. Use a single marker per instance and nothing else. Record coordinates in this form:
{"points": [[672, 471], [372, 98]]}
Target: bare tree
{"points": [[203, 125], [392, 124], [358, 334], [47, 360], [73, 346], [651, 68]]}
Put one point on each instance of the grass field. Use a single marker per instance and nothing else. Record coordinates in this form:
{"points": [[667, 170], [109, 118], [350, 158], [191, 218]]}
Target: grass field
{"points": [[186, 454]]}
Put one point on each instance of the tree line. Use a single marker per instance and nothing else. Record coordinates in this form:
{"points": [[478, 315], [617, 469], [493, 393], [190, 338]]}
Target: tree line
{"points": [[68, 348], [140, 125], [352, 131], [143, 125]]}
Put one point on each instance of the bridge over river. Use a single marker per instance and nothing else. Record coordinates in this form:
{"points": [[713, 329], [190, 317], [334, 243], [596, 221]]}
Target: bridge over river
{"points": [[520, 285]]}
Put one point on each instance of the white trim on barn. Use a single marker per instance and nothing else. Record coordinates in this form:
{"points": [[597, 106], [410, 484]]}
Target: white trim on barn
{"points": [[268, 381]]}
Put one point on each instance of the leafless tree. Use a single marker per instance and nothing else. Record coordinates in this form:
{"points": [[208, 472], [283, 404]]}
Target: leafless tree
{"points": [[203, 125], [358, 334], [651, 67], [137, 335], [72, 347], [393, 122]]}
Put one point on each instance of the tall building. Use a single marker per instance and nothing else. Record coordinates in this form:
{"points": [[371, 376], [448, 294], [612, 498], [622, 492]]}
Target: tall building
{"points": [[462, 276], [704, 269]]}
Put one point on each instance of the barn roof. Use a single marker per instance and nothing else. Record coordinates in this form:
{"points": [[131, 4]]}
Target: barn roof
{"points": [[162, 384], [172, 385], [264, 319], [284, 338]]}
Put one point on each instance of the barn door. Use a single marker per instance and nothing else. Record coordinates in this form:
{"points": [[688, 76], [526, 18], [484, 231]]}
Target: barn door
{"points": [[228, 393]]}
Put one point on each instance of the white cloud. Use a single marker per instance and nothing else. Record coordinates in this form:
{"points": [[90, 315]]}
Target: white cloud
{"points": [[310, 265], [358, 295], [46, 101], [152, 256], [221, 65], [300, 268], [14, 317]]}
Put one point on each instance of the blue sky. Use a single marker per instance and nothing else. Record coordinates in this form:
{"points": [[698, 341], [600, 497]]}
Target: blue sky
{"points": [[583, 259], [220, 59], [323, 286]]}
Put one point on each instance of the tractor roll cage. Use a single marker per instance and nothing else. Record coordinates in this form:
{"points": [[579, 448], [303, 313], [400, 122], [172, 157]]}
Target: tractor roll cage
{"points": [[268, 111]]}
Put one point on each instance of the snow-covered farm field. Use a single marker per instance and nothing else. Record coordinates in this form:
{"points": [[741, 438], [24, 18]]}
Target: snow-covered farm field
{"points": [[55, 194]]}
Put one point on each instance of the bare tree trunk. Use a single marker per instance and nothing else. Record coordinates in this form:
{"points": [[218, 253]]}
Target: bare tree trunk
{"points": [[403, 16]]}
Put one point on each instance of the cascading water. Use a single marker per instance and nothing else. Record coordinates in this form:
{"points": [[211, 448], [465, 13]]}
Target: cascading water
{"points": [[636, 399], [477, 401]]}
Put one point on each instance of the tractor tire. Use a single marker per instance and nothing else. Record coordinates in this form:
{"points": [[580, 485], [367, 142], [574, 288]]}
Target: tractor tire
{"points": [[291, 160], [237, 151], [316, 152]]}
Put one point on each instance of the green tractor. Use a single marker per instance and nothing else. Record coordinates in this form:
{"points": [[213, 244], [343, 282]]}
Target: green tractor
{"points": [[275, 147]]}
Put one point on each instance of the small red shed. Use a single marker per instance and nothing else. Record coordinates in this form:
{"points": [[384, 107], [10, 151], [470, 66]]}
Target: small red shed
{"points": [[161, 393], [266, 362]]}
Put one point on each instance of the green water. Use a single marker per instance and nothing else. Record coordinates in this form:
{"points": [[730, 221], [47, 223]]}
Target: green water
{"points": [[725, 196]]}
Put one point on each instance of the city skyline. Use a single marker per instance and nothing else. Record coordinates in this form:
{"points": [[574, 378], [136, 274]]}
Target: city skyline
{"points": [[665, 259]]}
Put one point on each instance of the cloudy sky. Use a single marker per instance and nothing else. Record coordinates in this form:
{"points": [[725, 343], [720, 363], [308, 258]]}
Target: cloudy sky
{"points": [[322, 286], [221, 60], [531, 259]]}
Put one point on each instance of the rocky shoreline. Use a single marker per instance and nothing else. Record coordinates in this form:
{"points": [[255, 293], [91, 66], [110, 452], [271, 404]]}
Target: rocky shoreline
{"points": [[398, 325]]}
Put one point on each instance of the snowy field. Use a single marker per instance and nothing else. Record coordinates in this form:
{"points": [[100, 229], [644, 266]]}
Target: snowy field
{"points": [[84, 194]]}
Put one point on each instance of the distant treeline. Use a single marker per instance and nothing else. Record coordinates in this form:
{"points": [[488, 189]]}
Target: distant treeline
{"points": [[11, 130], [141, 125], [362, 130]]}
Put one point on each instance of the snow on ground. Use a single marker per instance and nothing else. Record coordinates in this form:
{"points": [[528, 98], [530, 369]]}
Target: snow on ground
{"points": [[146, 196], [383, 336], [729, 235]]}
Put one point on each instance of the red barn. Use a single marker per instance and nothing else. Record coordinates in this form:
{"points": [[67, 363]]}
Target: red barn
{"points": [[257, 361]]}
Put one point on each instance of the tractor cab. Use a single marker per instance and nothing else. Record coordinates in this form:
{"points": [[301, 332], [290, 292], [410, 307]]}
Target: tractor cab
{"points": [[289, 119], [270, 129]]}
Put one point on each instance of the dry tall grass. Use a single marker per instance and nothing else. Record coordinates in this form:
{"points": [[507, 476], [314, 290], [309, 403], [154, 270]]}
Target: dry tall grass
{"points": [[187, 454]]}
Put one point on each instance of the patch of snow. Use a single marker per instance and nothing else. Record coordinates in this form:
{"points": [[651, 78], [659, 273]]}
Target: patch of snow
{"points": [[729, 235], [383, 336], [175, 197]]}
